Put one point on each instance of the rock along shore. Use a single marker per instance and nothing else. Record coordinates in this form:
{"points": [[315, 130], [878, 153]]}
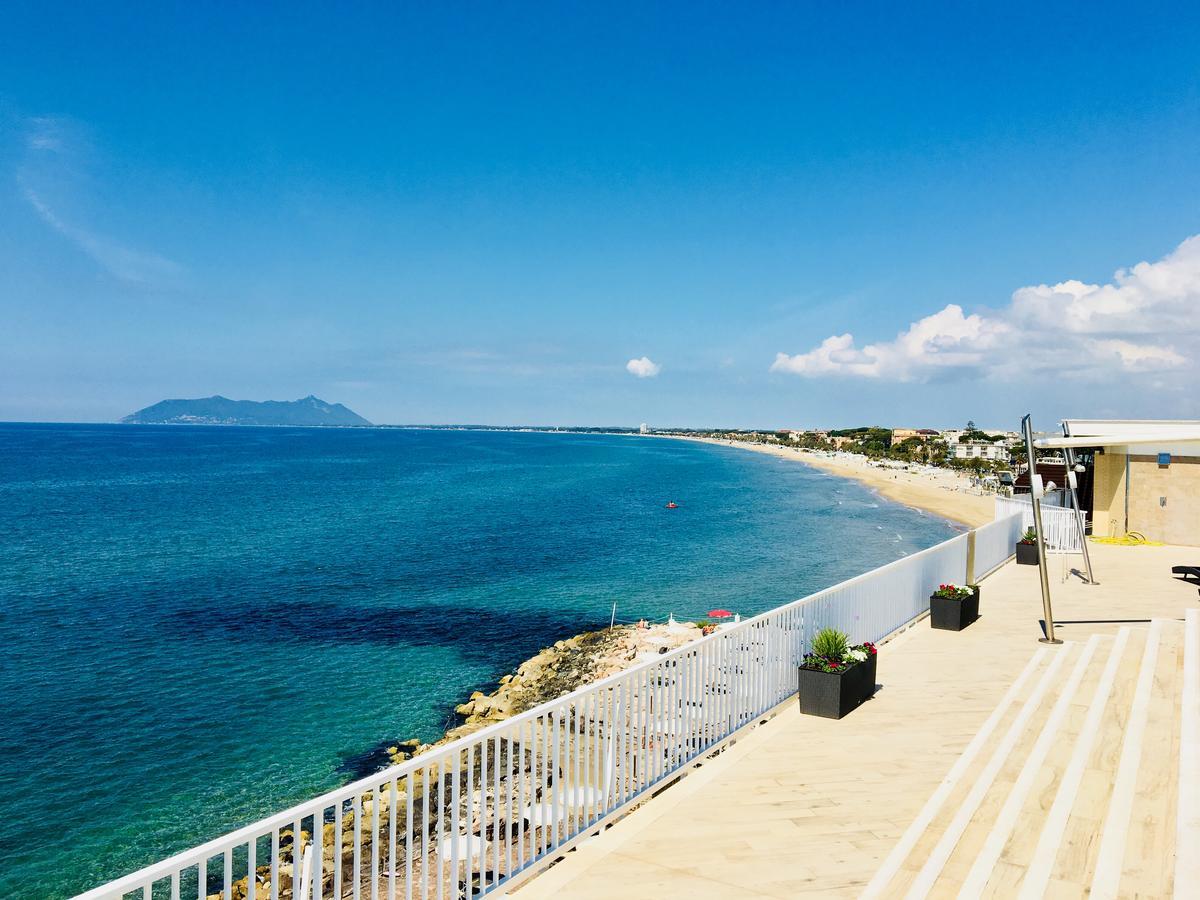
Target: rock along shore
{"points": [[565, 666], [557, 670]]}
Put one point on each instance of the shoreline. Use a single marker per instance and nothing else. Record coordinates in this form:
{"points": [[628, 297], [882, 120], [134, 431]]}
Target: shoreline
{"points": [[591, 656], [938, 492], [564, 666], [579, 660]]}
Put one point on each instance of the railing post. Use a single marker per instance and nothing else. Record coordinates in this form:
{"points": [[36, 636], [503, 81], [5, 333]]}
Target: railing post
{"points": [[970, 557], [1035, 498], [303, 885], [1069, 459]]}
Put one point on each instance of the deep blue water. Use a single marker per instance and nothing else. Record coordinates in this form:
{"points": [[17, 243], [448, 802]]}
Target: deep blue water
{"points": [[199, 626]]}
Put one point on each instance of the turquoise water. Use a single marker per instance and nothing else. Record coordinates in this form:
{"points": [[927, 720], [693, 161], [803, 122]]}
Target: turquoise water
{"points": [[204, 625]]}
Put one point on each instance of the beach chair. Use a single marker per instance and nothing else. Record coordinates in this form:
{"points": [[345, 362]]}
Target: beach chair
{"points": [[1186, 571]]}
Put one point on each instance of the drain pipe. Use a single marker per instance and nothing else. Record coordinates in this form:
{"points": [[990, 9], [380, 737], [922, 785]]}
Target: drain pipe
{"points": [[1035, 496]]}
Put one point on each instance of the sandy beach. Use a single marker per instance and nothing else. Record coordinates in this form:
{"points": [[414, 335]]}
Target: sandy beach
{"points": [[940, 492]]}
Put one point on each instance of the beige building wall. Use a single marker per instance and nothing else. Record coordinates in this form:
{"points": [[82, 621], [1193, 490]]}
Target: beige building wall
{"points": [[1108, 495], [1164, 501]]}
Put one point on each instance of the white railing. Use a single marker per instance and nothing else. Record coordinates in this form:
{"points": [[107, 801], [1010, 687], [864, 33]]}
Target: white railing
{"points": [[1062, 530], [481, 813], [996, 542]]}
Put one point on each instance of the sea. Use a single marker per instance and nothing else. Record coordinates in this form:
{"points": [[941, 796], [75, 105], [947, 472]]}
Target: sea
{"points": [[203, 625]]}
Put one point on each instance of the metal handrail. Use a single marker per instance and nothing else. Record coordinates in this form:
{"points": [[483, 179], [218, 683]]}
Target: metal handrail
{"points": [[1062, 527]]}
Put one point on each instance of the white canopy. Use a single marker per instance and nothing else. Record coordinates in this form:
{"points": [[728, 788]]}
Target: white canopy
{"points": [[1101, 433], [1116, 440]]}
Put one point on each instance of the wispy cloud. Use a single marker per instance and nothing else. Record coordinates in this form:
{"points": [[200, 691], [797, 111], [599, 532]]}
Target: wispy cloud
{"points": [[45, 133], [50, 169], [125, 263], [643, 367], [1144, 320]]}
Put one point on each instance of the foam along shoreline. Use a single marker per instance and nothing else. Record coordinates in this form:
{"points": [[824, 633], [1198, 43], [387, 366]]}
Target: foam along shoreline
{"points": [[939, 492]]}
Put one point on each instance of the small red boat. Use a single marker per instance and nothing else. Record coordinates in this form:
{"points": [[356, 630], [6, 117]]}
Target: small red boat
{"points": [[672, 505]]}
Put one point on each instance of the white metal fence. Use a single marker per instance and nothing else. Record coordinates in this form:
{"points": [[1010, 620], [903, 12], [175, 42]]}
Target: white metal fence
{"points": [[476, 815], [1061, 529]]}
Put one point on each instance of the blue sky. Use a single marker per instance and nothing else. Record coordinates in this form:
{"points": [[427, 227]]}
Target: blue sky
{"points": [[566, 214]]}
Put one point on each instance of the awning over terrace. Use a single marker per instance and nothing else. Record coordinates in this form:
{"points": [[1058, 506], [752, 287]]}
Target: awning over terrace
{"points": [[1094, 433]]}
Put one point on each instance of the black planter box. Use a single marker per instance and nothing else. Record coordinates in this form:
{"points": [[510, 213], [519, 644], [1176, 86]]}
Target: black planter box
{"points": [[833, 694], [954, 615], [1027, 555]]}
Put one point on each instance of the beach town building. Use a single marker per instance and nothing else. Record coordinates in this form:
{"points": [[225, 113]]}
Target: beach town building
{"points": [[954, 435], [985, 450], [903, 434], [644, 429], [1146, 476]]}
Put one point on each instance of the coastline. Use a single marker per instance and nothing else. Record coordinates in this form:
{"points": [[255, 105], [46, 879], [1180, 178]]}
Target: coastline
{"points": [[556, 670], [584, 658], [939, 492], [565, 666]]}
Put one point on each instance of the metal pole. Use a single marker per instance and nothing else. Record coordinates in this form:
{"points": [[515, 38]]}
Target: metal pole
{"points": [[1035, 496], [1069, 458]]}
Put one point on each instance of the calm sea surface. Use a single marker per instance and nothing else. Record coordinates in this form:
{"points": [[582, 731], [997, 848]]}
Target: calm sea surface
{"points": [[200, 626]]}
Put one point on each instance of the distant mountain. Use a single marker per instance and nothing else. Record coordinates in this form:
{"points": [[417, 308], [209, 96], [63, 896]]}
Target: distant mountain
{"points": [[223, 411]]}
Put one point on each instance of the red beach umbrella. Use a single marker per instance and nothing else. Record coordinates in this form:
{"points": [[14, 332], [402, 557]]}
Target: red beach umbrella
{"points": [[719, 614]]}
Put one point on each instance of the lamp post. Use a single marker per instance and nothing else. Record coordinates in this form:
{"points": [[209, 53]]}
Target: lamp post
{"points": [[1035, 495]]}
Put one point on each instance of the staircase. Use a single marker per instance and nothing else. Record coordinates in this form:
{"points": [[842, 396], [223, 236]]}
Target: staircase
{"points": [[1084, 781]]}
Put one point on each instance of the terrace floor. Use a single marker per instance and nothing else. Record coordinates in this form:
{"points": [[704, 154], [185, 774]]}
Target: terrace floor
{"points": [[986, 765]]}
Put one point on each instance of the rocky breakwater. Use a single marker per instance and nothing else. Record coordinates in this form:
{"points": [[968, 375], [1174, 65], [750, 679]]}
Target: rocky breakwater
{"points": [[514, 765], [565, 667]]}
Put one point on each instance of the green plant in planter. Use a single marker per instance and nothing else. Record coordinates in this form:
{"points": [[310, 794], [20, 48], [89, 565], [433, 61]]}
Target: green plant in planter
{"points": [[831, 652], [831, 644], [1029, 537]]}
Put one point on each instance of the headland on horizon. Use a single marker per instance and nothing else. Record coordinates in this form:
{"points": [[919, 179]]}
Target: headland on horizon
{"points": [[218, 410]]}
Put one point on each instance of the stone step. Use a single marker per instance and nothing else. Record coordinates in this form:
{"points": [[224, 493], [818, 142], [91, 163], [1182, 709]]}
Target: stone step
{"points": [[1013, 834], [970, 848], [1082, 781], [905, 863]]}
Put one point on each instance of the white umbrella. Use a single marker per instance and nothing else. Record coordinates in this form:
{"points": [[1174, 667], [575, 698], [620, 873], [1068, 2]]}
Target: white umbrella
{"points": [[675, 626]]}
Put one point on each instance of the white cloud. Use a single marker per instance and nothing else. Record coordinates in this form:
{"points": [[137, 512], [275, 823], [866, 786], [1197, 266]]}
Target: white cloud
{"points": [[1071, 328], [51, 169], [125, 263], [643, 367], [1139, 357]]}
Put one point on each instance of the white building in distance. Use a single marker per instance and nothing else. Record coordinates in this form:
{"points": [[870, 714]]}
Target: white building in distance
{"points": [[981, 450]]}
